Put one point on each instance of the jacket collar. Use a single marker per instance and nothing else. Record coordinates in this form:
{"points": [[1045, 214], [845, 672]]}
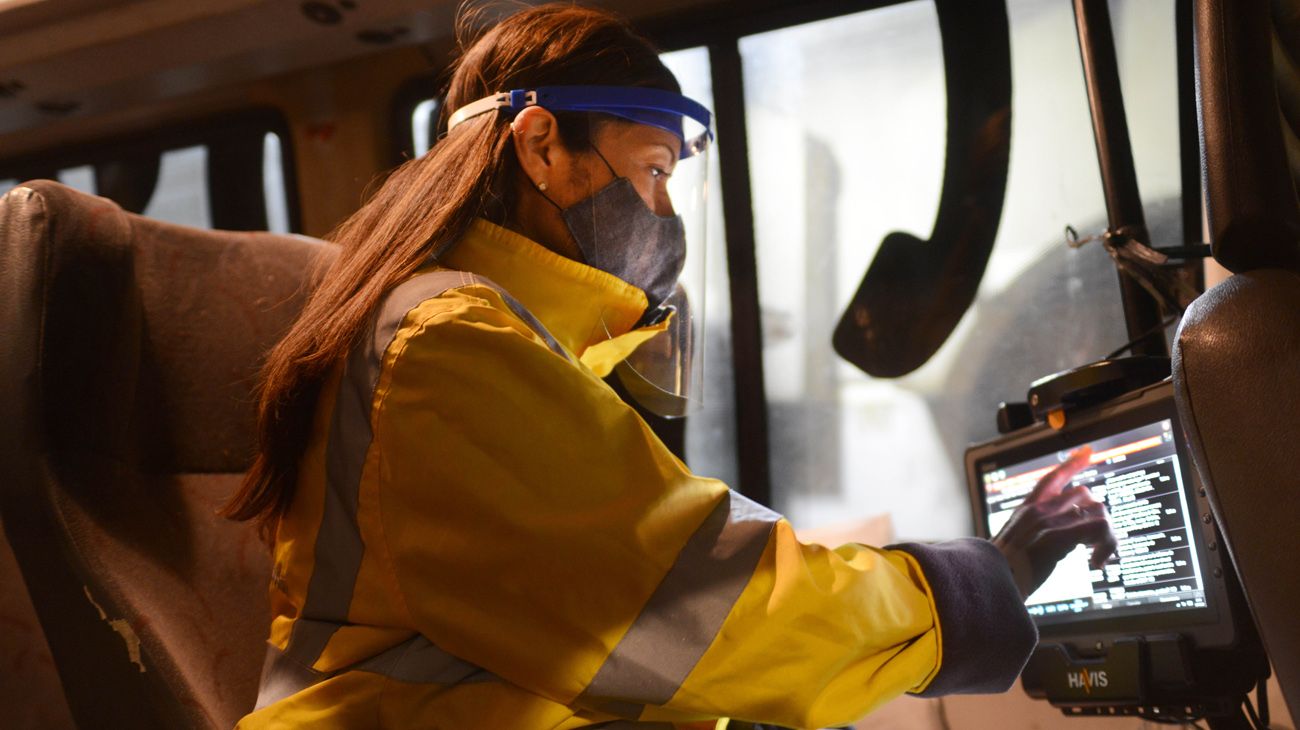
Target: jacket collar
{"points": [[590, 312]]}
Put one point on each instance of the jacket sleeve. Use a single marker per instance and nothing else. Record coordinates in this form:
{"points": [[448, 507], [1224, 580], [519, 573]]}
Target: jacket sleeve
{"points": [[538, 529]]}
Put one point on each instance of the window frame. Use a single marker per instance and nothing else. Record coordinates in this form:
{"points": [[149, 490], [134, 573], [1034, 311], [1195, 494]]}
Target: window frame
{"points": [[407, 97], [719, 27], [175, 135]]}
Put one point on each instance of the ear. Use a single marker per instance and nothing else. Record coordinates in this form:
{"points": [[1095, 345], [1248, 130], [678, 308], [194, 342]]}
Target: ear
{"points": [[538, 147]]}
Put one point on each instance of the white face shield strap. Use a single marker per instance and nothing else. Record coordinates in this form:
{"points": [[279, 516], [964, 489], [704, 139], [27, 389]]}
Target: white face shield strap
{"points": [[619, 233]]}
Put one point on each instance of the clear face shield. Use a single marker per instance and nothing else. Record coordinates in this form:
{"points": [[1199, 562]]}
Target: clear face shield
{"points": [[647, 227]]}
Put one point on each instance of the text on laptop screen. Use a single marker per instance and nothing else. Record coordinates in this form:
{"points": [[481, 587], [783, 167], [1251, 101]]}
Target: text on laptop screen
{"points": [[1137, 475]]}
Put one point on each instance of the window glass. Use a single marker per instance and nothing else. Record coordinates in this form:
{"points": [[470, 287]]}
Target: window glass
{"points": [[181, 195], [1146, 43], [834, 172], [277, 198], [80, 178], [423, 119], [711, 432]]}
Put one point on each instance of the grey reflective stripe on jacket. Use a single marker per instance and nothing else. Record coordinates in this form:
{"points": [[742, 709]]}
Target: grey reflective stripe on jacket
{"points": [[413, 660], [686, 611], [338, 549]]}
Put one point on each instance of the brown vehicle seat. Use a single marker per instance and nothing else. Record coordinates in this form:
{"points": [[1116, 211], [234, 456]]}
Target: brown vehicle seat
{"points": [[1237, 356], [128, 350]]}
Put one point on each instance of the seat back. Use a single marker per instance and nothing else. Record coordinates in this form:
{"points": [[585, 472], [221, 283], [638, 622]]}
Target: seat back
{"points": [[1236, 364], [30, 693], [128, 353], [1237, 383]]}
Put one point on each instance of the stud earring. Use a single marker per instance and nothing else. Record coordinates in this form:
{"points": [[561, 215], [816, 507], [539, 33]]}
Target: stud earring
{"points": [[542, 186]]}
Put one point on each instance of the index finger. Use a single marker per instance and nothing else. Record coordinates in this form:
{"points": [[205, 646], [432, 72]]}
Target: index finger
{"points": [[1054, 481]]}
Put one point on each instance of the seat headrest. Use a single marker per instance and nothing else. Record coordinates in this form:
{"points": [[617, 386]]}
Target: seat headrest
{"points": [[151, 334], [1250, 196]]}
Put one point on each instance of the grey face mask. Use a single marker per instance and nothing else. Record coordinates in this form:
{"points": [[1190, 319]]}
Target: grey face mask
{"points": [[620, 235]]}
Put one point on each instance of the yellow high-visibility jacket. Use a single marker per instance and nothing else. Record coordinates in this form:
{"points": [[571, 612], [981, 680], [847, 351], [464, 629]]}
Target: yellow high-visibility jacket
{"points": [[484, 536]]}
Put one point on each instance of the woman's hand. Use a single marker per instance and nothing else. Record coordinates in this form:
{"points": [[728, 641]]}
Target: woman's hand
{"points": [[1051, 522]]}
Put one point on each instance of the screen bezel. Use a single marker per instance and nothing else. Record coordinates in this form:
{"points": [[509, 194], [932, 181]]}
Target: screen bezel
{"points": [[1209, 626]]}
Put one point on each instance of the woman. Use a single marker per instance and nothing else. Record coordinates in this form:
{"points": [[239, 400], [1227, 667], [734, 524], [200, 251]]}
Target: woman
{"points": [[471, 530]]}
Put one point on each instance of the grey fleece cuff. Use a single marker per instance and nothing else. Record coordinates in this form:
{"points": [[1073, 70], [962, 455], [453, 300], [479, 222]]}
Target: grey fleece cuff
{"points": [[987, 635]]}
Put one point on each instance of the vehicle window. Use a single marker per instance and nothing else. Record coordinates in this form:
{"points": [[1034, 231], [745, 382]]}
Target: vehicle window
{"points": [[234, 173], [274, 189], [1145, 44], [181, 195], [424, 121], [80, 178], [414, 125], [846, 140], [711, 432]]}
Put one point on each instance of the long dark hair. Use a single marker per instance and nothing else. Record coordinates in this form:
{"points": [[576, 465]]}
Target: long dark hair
{"points": [[423, 208]]}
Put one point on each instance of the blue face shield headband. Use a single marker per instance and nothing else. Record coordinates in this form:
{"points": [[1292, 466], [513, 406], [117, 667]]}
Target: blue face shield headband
{"points": [[654, 107]]}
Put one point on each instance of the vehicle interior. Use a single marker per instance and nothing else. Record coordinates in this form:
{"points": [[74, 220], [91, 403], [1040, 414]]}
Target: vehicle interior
{"points": [[935, 224]]}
